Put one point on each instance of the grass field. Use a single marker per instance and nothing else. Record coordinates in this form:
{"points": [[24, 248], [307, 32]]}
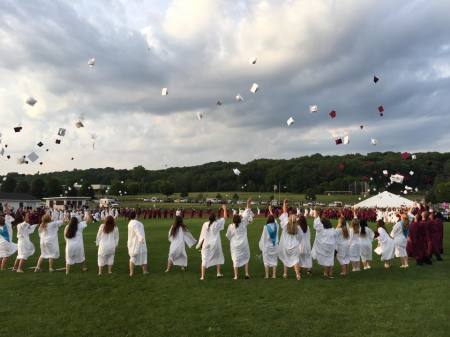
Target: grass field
{"points": [[413, 302]]}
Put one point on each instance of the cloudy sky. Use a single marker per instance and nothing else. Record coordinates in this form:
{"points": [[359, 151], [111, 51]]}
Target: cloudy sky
{"points": [[321, 53]]}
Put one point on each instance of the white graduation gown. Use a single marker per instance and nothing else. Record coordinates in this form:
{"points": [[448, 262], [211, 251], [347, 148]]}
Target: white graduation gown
{"points": [[7, 247], [268, 248], [107, 244], [354, 246], [385, 245], [49, 242], [305, 249], [25, 248], [75, 245], [324, 244], [289, 245], [399, 240], [365, 242], [137, 246], [177, 250], [239, 248], [342, 248], [211, 244]]}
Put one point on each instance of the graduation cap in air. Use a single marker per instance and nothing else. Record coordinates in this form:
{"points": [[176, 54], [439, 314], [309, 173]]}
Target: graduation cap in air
{"points": [[405, 155], [385, 172], [2, 152], [33, 157], [91, 62], [8, 156], [40, 144], [239, 98], [31, 101], [199, 115], [41, 163], [61, 132], [290, 121], [375, 79], [413, 157], [252, 60], [58, 141], [6, 145], [46, 150], [332, 114], [338, 141], [397, 178], [313, 108], [346, 140], [236, 171], [17, 129], [374, 141], [21, 160], [79, 124], [411, 173], [72, 158], [381, 110], [164, 92], [254, 88], [361, 126], [219, 102]]}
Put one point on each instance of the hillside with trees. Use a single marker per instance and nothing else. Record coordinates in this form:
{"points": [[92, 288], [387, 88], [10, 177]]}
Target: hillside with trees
{"points": [[313, 174]]}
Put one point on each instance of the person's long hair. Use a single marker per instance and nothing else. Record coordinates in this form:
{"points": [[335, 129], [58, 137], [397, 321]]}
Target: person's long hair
{"points": [[211, 218], [302, 223], [405, 227], [46, 219], [72, 228], [270, 219], [177, 225], [343, 226], [237, 220], [381, 224], [326, 223], [292, 226], [110, 223], [358, 227]]}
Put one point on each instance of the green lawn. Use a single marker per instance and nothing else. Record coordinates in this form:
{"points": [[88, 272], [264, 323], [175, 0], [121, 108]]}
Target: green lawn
{"points": [[413, 302]]}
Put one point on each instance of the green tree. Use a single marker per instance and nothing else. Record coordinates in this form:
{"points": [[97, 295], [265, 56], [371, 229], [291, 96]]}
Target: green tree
{"points": [[38, 188], [9, 185], [115, 188], [219, 196], [235, 197], [133, 188], [53, 188], [184, 194], [166, 188], [200, 197], [86, 190], [138, 173], [310, 194], [22, 187], [442, 192]]}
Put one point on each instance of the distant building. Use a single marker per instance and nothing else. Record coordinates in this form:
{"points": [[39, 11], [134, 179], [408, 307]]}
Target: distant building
{"points": [[66, 202], [18, 200]]}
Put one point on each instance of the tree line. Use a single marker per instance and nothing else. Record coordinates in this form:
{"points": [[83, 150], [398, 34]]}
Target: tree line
{"points": [[312, 174]]}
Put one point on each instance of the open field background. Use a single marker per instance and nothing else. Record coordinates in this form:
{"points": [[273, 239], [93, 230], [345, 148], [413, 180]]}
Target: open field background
{"points": [[413, 302]]}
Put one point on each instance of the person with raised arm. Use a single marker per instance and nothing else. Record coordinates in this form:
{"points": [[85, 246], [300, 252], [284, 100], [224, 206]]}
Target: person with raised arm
{"points": [[324, 243], [137, 246], [210, 243], [25, 248], [107, 241], [179, 237], [237, 234], [73, 234], [385, 244], [49, 243], [7, 246], [289, 245], [400, 233], [268, 244]]}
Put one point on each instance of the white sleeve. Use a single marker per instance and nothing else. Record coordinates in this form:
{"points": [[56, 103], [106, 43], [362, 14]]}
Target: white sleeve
{"points": [[284, 219], [99, 235], [220, 224], [318, 226], [247, 217], [116, 235], [230, 232]]}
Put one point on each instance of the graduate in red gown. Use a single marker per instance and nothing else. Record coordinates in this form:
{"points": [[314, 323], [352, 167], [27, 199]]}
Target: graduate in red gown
{"points": [[418, 241], [436, 235]]}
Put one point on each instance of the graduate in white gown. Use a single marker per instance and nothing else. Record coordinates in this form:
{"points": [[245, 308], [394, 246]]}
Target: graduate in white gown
{"points": [[366, 236], [305, 258], [179, 237], [49, 243], [73, 234], [107, 241], [354, 245], [211, 245], [7, 246], [237, 234], [289, 245], [400, 234], [385, 244], [25, 248], [268, 244], [324, 243], [137, 246], [343, 245]]}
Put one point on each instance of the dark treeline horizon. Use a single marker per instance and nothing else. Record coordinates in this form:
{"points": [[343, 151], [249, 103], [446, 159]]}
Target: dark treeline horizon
{"points": [[317, 173]]}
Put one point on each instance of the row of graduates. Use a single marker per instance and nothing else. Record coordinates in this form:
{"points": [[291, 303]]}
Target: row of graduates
{"points": [[350, 244]]}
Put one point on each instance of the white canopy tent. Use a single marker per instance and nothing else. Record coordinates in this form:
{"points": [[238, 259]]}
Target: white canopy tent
{"points": [[385, 200]]}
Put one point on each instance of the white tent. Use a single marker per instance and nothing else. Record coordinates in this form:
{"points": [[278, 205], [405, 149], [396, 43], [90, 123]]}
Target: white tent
{"points": [[385, 200]]}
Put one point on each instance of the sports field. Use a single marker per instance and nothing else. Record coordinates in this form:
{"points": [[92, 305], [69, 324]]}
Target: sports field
{"points": [[395, 302]]}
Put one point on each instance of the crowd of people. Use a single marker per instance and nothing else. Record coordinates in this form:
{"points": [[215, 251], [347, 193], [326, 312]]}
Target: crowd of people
{"points": [[285, 237]]}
